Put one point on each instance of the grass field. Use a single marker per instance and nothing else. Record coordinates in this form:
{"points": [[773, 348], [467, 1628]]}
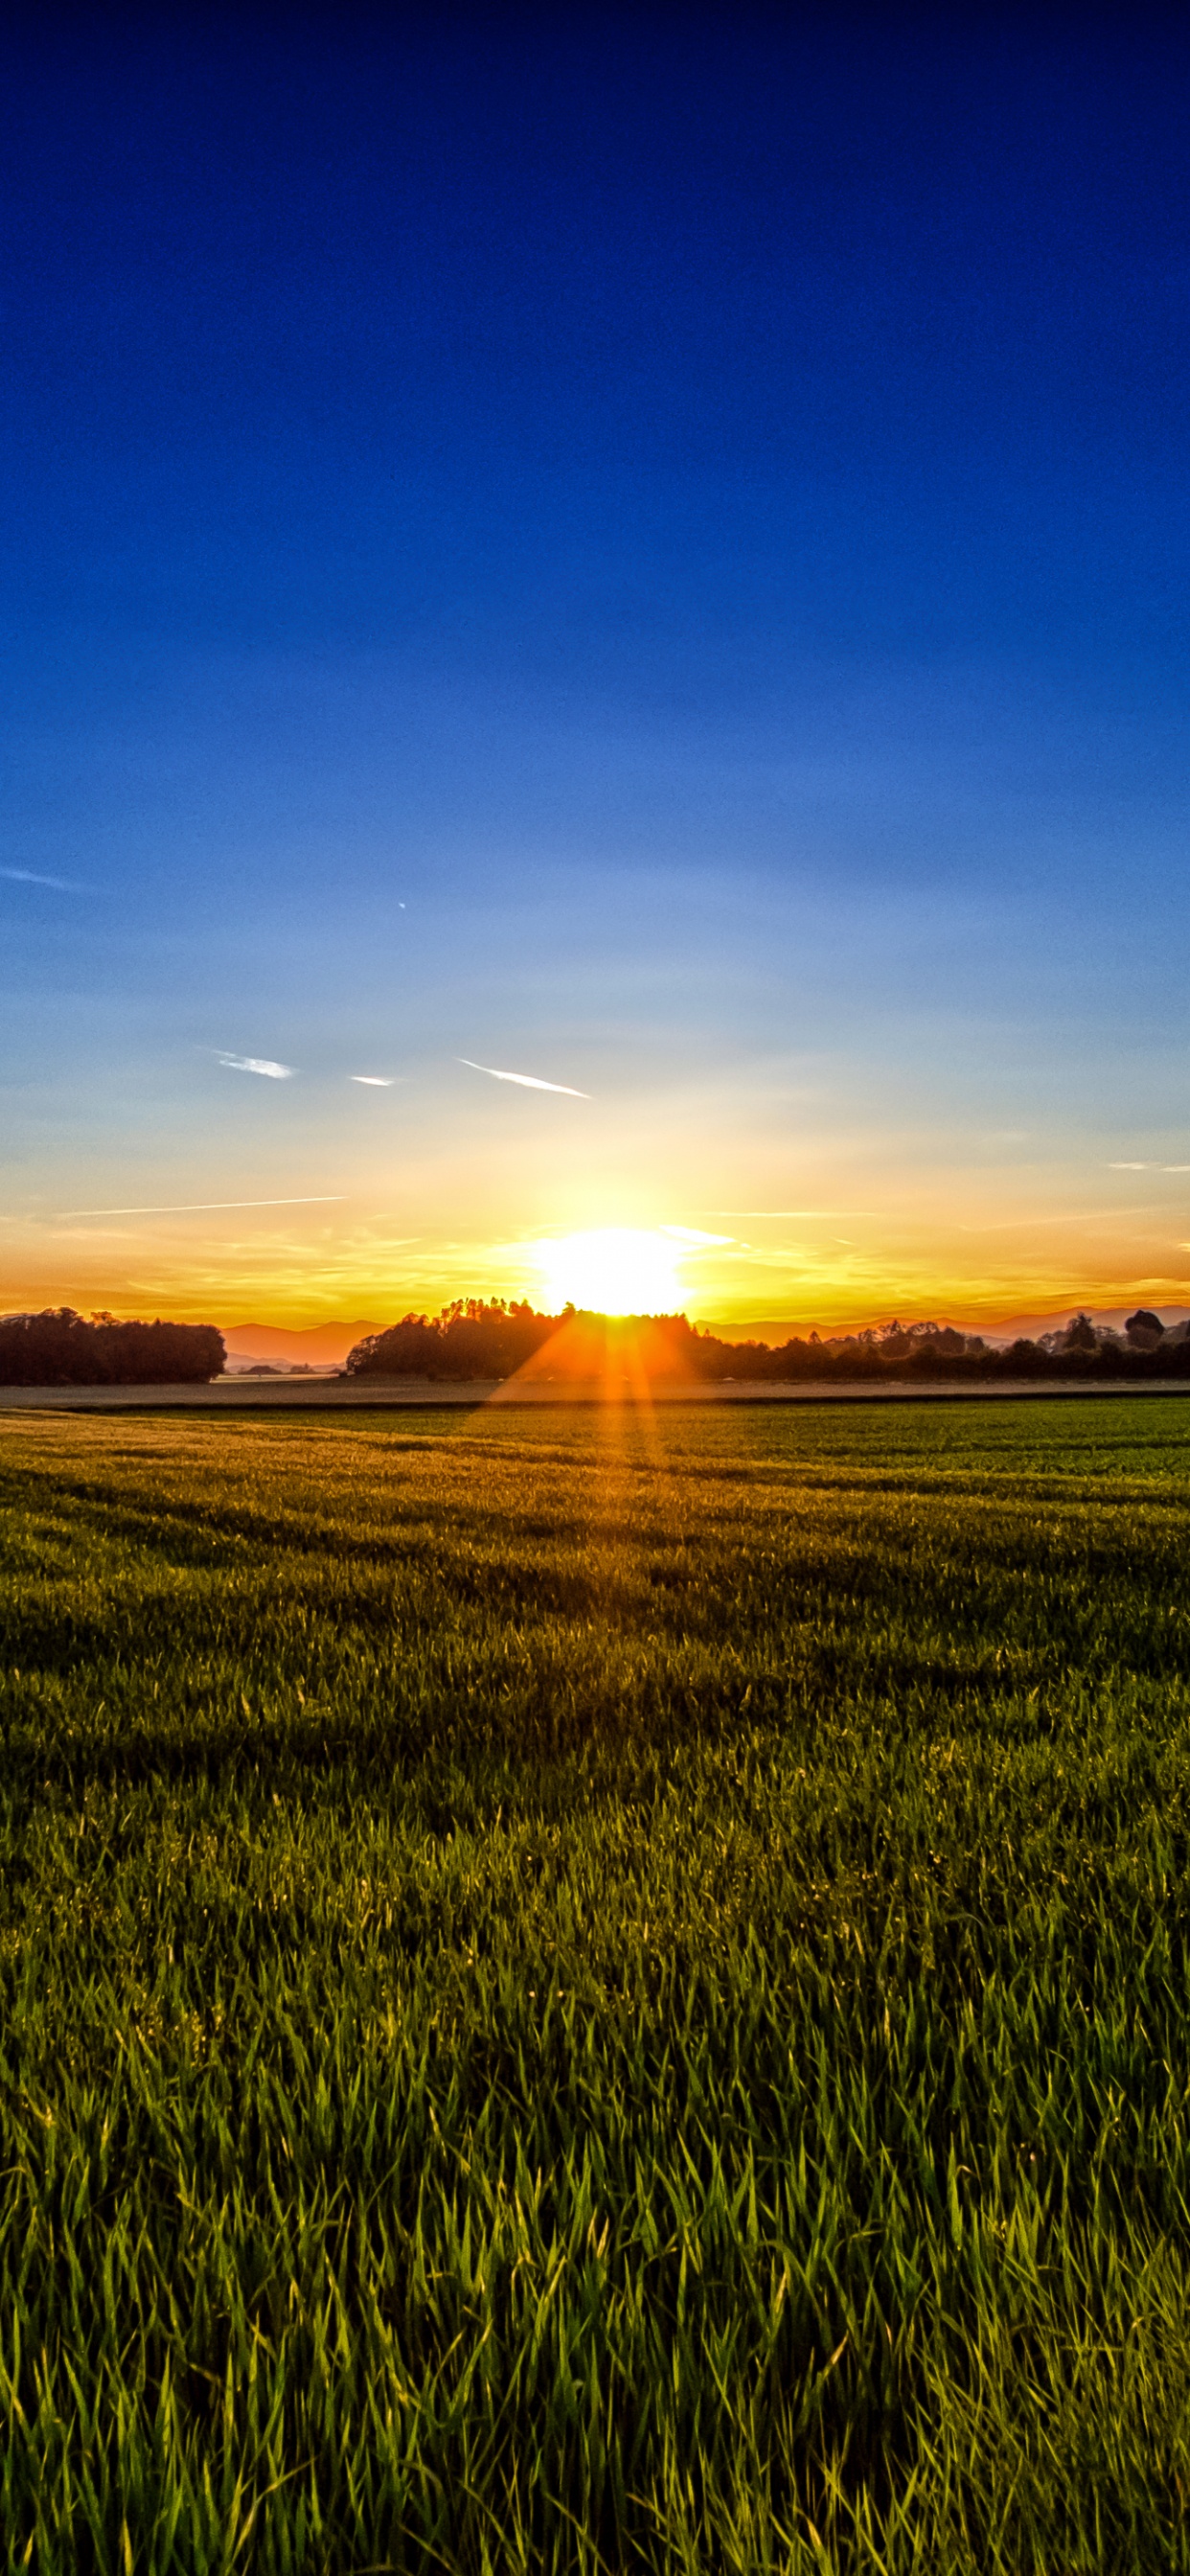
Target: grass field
{"points": [[594, 1996]]}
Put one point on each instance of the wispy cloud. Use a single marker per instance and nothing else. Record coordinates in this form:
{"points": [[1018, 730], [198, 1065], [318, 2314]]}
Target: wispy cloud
{"points": [[195, 1207], [694, 1236], [256, 1064], [746, 1213], [1072, 1216], [374, 1081], [29, 876], [528, 1081], [1148, 1167]]}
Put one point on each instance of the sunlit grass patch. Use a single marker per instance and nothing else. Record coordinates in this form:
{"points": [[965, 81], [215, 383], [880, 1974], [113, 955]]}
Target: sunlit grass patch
{"points": [[589, 1993]]}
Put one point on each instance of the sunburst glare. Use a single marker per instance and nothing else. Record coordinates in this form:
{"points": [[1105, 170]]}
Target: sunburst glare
{"points": [[617, 1270]]}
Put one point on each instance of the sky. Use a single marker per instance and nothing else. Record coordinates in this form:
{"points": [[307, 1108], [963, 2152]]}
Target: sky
{"points": [[647, 550]]}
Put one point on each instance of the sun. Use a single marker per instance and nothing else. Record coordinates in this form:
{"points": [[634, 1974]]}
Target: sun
{"points": [[617, 1271]]}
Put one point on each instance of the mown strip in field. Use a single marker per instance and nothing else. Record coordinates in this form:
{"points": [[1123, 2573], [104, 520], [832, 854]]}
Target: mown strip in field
{"points": [[597, 1993]]}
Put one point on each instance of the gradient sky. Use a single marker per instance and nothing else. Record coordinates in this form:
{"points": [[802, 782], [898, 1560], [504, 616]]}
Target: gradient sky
{"points": [[645, 550]]}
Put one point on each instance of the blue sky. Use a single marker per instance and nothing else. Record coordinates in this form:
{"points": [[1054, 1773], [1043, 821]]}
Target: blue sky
{"points": [[649, 550]]}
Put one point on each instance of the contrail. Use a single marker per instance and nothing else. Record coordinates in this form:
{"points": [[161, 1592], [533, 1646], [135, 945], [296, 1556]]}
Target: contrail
{"points": [[28, 876], [255, 1064], [374, 1081], [528, 1081], [196, 1207]]}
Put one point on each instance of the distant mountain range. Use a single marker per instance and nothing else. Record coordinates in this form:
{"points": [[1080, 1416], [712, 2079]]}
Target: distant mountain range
{"points": [[319, 1345], [1114, 1317]]}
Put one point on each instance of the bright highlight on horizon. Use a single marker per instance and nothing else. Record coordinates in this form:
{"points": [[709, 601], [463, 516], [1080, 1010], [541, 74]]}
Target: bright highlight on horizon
{"points": [[617, 1270]]}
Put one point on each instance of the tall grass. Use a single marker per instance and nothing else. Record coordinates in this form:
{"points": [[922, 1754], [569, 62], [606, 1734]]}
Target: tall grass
{"points": [[586, 1995]]}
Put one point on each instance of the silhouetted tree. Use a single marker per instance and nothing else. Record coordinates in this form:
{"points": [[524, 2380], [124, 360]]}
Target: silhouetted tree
{"points": [[1144, 1329]]}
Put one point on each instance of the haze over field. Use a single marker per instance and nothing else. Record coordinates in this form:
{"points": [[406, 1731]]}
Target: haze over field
{"points": [[601, 639]]}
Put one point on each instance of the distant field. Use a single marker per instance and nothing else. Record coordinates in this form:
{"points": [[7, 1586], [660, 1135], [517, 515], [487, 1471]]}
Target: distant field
{"points": [[583, 1996]]}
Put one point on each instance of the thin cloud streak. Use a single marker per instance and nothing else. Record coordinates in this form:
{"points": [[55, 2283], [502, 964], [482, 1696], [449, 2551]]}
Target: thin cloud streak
{"points": [[694, 1236], [28, 876], [1076, 1216], [256, 1064], [529, 1081], [197, 1207], [374, 1081], [790, 1213]]}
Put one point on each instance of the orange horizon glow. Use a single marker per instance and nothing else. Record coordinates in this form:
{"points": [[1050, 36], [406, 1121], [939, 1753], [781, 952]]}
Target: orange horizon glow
{"points": [[825, 1266], [303, 1317]]}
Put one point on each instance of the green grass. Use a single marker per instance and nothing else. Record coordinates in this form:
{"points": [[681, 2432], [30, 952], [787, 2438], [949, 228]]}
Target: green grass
{"points": [[584, 1996]]}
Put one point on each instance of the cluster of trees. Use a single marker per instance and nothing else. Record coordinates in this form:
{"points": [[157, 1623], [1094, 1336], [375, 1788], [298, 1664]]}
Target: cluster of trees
{"points": [[60, 1348], [880, 1351], [471, 1338], [1079, 1349], [474, 1338]]}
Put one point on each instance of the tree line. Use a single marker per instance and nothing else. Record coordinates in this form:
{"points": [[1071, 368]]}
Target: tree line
{"points": [[60, 1348], [478, 1338]]}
